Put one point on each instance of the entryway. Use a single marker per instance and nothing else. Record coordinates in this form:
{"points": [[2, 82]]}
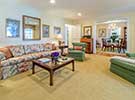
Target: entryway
{"points": [[111, 36]]}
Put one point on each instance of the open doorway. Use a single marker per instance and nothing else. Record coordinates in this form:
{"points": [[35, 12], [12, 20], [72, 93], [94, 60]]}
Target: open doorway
{"points": [[111, 36], [72, 34]]}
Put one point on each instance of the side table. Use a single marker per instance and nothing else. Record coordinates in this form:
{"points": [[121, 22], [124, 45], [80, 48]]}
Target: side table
{"points": [[62, 49]]}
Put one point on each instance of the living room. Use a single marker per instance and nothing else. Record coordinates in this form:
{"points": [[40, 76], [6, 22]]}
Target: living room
{"points": [[48, 50]]}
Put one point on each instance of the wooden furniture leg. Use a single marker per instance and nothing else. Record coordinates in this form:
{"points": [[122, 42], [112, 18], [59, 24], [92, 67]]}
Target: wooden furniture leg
{"points": [[33, 68], [51, 77], [73, 66]]}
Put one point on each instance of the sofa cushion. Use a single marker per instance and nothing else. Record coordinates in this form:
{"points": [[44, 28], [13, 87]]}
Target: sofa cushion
{"points": [[17, 51], [130, 54], [36, 55], [28, 57], [0, 73], [42, 47], [75, 52], [12, 61], [6, 51], [32, 48], [9, 71], [22, 67], [48, 46], [123, 64], [2, 56]]}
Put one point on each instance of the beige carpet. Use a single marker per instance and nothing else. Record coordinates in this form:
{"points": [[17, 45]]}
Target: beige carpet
{"points": [[92, 80]]}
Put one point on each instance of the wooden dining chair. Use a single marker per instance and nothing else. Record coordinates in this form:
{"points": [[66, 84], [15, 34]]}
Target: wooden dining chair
{"points": [[105, 44]]}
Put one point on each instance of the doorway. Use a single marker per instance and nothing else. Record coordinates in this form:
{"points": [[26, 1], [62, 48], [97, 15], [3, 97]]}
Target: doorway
{"points": [[72, 34], [111, 36]]}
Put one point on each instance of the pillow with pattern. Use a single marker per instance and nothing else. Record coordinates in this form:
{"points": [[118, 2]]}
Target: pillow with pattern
{"points": [[2, 56], [78, 48], [17, 51], [48, 46]]}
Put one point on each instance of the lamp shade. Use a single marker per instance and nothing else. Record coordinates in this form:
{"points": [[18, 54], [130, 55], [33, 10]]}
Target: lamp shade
{"points": [[59, 37]]}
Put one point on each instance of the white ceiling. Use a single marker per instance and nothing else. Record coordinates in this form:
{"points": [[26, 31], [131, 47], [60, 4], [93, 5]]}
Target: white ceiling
{"points": [[88, 8]]}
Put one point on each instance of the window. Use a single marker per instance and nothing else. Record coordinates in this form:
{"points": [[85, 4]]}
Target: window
{"points": [[28, 33]]}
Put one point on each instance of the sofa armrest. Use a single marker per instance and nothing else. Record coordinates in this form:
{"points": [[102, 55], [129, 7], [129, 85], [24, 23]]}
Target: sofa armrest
{"points": [[130, 54]]}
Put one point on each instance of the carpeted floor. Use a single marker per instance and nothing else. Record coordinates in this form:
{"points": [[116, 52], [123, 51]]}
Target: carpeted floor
{"points": [[92, 80]]}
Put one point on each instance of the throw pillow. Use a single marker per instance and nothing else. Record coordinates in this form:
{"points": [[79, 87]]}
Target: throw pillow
{"points": [[48, 46], [17, 51], [6, 51], [2, 56], [77, 47]]}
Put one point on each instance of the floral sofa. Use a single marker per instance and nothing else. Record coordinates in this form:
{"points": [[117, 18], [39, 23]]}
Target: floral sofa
{"points": [[17, 59]]}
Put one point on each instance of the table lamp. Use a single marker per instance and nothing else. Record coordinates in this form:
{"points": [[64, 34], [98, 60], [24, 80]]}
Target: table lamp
{"points": [[59, 38]]}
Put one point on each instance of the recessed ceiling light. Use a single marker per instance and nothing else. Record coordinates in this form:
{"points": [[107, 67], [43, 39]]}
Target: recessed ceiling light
{"points": [[79, 14], [52, 1]]}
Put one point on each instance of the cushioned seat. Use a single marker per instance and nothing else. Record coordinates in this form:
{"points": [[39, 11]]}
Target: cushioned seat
{"points": [[75, 51], [12, 61], [21, 56], [78, 51], [124, 64], [124, 68]]}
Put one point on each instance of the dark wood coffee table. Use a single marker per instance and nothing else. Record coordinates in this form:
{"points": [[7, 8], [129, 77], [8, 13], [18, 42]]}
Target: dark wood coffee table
{"points": [[51, 67]]}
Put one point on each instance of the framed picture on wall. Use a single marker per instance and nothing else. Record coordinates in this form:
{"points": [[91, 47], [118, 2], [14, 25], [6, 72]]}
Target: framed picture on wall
{"points": [[102, 32], [57, 30], [45, 31], [12, 28], [87, 31]]}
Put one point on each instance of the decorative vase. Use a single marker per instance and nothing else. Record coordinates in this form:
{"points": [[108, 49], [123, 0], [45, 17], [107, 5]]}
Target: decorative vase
{"points": [[55, 56]]}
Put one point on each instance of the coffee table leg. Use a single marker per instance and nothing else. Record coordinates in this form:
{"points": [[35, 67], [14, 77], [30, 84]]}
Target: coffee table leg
{"points": [[33, 68], [51, 78], [73, 66]]}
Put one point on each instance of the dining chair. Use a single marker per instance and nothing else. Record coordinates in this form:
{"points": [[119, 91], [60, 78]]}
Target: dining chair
{"points": [[105, 44]]}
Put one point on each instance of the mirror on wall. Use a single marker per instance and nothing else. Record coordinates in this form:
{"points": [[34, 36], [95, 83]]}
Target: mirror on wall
{"points": [[31, 28]]}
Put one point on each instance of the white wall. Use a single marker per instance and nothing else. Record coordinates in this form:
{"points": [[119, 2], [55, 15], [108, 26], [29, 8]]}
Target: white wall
{"points": [[15, 10]]}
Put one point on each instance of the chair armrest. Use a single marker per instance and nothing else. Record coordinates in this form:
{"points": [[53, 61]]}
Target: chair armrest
{"points": [[70, 49], [83, 49], [130, 54]]}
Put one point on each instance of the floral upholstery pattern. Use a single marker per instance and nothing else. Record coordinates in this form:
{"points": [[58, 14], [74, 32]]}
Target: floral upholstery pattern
{"points": [[22, 67], [12, 61], [9, 71], [48, 46], [22, 62], [46, 53], [17, 51], [32, 48], [42, 47], [28, 57], [2, 56], [0, 73], [36, 55]]}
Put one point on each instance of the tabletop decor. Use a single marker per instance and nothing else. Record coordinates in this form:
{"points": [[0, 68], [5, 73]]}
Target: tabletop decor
{"points": [[55, 56]]}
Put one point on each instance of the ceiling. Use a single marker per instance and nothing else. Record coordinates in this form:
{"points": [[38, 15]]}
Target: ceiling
{"points": [[89, 8]]}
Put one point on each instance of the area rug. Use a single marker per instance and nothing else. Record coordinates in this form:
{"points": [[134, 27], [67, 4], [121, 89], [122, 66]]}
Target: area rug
{"points": [[110, 54]]}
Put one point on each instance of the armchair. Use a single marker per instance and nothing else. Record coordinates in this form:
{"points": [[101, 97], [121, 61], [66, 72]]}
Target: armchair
{"points": [[131, 55], [78, 51]]}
